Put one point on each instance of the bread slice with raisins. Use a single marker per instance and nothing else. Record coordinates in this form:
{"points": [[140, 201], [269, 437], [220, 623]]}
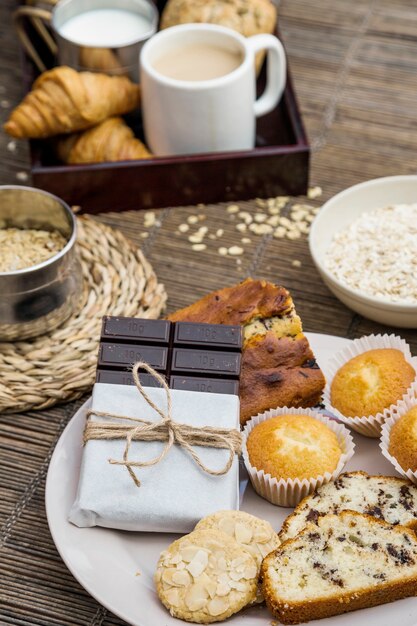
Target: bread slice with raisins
{"points": [[345, 562], [387, 497], [278, 365]]}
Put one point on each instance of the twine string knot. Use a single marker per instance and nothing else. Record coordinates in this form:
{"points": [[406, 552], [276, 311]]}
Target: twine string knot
{"points": [[166, 429]]}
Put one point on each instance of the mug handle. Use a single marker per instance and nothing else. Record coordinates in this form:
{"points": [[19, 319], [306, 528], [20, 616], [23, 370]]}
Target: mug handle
{"points": [[38, 17], [276, 71]]}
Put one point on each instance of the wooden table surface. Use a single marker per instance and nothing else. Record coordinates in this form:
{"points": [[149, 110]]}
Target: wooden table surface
{"points": [[354, 66]]}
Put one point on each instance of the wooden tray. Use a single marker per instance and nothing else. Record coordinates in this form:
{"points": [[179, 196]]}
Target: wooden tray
{"points": [[277, 165]]}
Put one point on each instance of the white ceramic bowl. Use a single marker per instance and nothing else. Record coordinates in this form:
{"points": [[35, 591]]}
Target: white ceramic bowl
{"points": [[335, 215]]}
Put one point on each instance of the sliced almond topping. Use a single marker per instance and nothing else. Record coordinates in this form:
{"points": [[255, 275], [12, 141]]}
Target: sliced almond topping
{"points": [[223, 578], [243, 533], [167, 576], [189, 552], [198, 564], [196, 597], [262, 536], [234, 575], [211, 587], [240, 560], [217, 606], [222, 564], [175, 559], [222, 589], [173, 596], [181, 577], [238, 585], [251, 571], [227, 525], [204, 579]]}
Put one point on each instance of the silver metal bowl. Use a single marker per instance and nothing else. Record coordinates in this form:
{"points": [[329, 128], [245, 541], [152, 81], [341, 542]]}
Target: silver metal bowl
{"points": [[36, 299]]}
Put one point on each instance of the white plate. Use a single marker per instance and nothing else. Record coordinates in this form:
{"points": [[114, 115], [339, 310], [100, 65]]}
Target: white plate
{"points": [[117, 567]]}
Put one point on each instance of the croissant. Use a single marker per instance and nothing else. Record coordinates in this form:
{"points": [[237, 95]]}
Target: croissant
{"points": [[101, 60], [112, 140], [63, 101]]}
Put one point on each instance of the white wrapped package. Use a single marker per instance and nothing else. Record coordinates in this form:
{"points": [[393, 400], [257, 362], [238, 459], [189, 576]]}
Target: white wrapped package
{"points": [[175, 493]]}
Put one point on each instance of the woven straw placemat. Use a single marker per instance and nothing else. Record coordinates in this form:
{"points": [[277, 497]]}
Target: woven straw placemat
{"points": [[60, 366]]}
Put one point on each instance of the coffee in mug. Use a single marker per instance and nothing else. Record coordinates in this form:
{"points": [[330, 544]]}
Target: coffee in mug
{"points": [[198, 61], [199, 88]]}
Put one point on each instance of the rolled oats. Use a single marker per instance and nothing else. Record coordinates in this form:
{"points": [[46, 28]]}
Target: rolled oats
{"points": [[21, 248], [377, 253]]}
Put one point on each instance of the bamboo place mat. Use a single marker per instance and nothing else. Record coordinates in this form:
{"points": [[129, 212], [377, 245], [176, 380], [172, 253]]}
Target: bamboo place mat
{"points": [[60, 366], [354, 66]]}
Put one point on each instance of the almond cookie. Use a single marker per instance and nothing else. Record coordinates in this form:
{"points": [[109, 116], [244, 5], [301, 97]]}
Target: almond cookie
{"points": [[205, 577], [252, 533]]}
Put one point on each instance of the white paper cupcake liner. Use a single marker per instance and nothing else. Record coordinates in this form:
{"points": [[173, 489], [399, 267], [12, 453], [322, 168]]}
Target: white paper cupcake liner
{"points": [[370, 426], [289, 492], [398, 411]]}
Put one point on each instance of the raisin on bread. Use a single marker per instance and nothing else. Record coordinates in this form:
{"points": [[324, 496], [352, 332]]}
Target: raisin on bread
{"points": [[278, 365], [387, 497], [345, 562]]}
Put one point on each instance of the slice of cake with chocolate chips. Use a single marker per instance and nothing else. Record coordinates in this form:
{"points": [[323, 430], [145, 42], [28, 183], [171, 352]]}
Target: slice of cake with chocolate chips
{"points": [[345, 562], [278, 365], [387, 497]]}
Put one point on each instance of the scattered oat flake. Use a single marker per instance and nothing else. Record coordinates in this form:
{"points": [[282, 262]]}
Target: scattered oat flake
{"points": [[5, 104], [260, 217], [149, 218], [144, 235], [235, 250], [22, 176], [219, 232], [138, 573], [241, 227], [195, 238], [11, 146], [192, 219], [245, 240], [183, 228], [294, 234], [296, 263], [201, 217], [212, 236], [314, 192], [222, 251], [233, 208], [274, 210], [245, 216], [199, 247], [238, 261], [280, 232]]}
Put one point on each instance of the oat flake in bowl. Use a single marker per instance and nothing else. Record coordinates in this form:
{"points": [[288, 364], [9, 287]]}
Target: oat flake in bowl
{"points": [[377, 253], [21, 248]]}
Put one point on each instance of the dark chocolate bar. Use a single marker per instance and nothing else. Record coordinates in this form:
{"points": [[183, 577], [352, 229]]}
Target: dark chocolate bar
{"points": [[191, 356], [127, 328], [195, 334], [202, 361], [207, 385], [124, 377], [126, 354]]}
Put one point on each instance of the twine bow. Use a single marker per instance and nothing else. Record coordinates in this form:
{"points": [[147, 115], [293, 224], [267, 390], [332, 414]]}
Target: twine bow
{"points": [[165, 430]]}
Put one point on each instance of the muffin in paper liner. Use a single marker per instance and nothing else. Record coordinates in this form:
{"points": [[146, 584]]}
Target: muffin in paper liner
{"points": [[400, 409], [289, 492], [369, 426]]}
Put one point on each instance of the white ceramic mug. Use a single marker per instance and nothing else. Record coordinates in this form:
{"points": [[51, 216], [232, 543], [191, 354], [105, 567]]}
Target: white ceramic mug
{"points": [[214, 115]]}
